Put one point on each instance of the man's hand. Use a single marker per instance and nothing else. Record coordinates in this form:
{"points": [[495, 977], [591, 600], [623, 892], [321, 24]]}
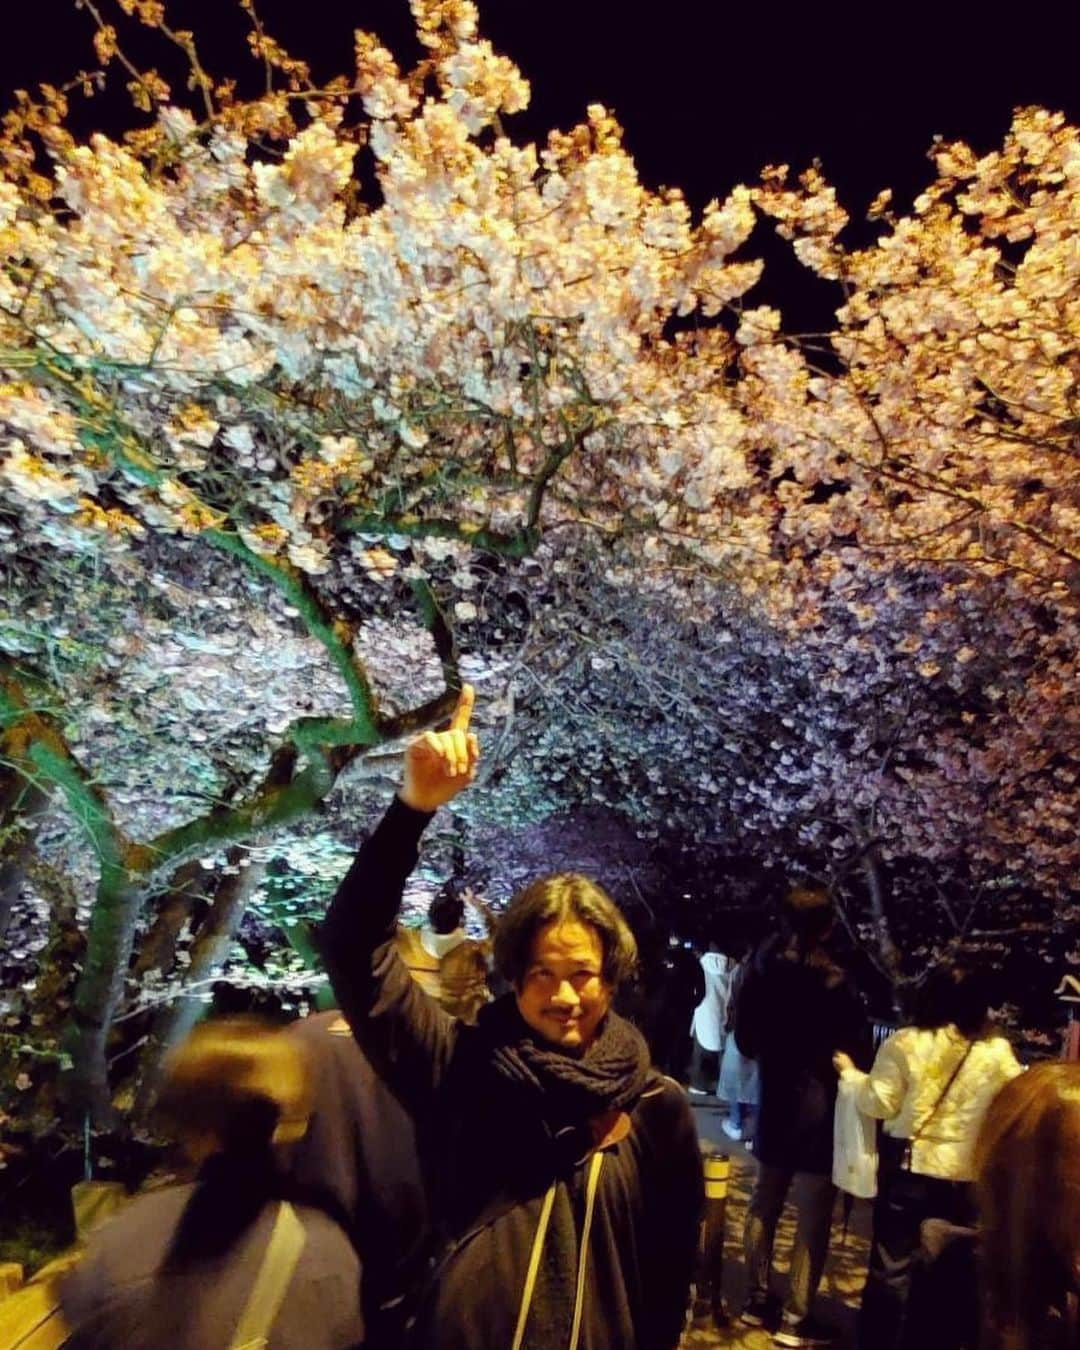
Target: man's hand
{"points": [[439, 764], [842, 1062]]}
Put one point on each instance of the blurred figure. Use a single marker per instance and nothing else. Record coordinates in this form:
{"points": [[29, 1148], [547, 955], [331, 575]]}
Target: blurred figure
{"points": [[235, 1258], [1027, 1158], [444, 960], [796, 1007], [708, 1025], [931, 1083], [359, 1151], [740, 1083]]}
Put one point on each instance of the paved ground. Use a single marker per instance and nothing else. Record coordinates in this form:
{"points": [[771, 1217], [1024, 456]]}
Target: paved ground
{"points": [[844, 1272]]}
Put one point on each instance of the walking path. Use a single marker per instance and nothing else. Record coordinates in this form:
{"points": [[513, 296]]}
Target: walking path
{"points": [[845, 1270]]}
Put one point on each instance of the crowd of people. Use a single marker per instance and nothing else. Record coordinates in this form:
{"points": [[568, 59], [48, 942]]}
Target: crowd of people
{"points": [[437, 1163]]}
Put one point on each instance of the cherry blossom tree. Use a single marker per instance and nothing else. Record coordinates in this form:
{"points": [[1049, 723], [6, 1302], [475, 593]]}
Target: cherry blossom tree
{"points": [[293, 437], [207, 336]]}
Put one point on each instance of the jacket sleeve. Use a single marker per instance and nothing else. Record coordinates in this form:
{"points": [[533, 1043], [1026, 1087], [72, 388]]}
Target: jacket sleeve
{"points": [[403, 1031], [881, 1092]]}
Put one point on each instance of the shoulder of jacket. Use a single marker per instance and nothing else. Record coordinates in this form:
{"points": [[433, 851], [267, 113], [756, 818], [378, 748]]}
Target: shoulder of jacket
{"points": [[663, 1096], [907, 1040], [1002, 1049]]}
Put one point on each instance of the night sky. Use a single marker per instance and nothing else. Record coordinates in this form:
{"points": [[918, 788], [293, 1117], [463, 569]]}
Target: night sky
{"points": [[707, 92]]}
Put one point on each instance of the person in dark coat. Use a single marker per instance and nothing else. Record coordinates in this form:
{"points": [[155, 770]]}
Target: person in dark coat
{"points": [[359, 1151], [563, 1171], [796, 1007], [678, 986], [239, 1257]]}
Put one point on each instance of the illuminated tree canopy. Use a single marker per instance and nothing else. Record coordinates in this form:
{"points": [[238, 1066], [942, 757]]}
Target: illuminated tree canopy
{"points": [[315, 402]]}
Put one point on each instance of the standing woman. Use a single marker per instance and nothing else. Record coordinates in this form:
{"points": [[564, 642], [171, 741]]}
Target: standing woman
{"points": [[740, 1081], [1028, 1163], [931, 1084]]}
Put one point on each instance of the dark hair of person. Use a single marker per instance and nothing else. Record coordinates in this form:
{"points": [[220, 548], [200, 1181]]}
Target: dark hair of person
{"points": [[1027, 1167], [236, 1087], [564, 895], [953, 993], [808, 914], [446, 911]]}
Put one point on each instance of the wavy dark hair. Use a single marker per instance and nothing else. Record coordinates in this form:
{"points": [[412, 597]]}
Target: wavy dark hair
{"points": [[1027, 1165], [563, 895]]}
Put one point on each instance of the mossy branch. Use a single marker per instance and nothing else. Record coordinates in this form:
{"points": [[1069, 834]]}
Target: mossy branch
{"points": [[41, 754], [292, 585]]}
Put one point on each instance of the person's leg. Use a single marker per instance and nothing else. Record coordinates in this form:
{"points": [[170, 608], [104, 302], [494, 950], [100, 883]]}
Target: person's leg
{"points": [[899, 1210], [698, 1082], [814, 1196], [762, 1215]]}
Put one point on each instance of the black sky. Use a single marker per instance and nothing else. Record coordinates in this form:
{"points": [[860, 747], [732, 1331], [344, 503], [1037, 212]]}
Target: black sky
{"points": [[707, 91]]}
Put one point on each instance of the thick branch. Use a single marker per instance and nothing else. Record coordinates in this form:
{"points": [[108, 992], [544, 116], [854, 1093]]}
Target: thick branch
{"points": [[158, 948]]}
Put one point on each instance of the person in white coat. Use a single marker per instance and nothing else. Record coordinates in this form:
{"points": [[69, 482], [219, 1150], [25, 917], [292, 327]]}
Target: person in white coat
{"points": [[707, 1026], [931, 1084]]}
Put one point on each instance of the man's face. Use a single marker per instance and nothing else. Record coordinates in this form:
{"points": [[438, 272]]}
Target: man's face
{"points": [[564, 995]]}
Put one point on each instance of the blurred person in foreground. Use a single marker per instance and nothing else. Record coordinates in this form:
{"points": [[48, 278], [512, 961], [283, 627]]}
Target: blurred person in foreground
{"points": [[1027, 1159], [931, 1083], [795, 1008], [359, 1154], [236, 1258], [563, 1171]]}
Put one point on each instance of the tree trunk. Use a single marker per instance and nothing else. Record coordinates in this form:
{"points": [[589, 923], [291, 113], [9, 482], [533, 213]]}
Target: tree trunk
{"points": [[108, 951], [211, 947], [888, 952], [112, 928]]}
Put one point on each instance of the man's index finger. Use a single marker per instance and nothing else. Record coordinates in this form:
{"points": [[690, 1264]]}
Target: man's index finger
{"points": [[463, 711]]}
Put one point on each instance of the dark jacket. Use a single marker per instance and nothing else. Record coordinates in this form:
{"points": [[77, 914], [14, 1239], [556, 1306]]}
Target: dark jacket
{"points": [[792, 1013], [119, 1298], [360, 1152], [489, 1161]]}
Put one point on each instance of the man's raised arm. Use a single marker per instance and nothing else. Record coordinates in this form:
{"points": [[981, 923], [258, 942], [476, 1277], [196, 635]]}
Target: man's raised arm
{"points": [[406, 1034]]}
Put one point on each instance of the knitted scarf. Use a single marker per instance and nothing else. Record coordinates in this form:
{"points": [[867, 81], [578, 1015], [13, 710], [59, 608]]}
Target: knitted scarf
{"points": [[565, 1090]]}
